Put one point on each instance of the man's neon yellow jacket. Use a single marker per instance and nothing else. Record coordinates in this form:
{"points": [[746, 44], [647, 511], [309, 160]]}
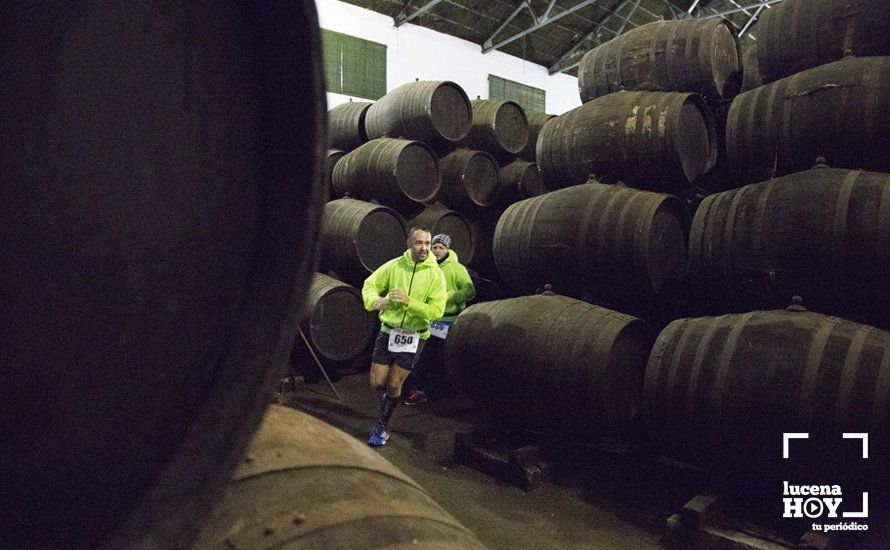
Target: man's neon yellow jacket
{"points": [[458, 286], [424, 283]]}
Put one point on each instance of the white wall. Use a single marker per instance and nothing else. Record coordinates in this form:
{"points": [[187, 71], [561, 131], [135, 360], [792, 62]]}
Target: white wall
{"points": [[416, 52]]}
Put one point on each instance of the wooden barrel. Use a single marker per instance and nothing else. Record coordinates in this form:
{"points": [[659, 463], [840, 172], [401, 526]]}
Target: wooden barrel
{"points": [[331, 160], [499, 127], [338, 325], [358, 237], [823, 234], [305, 484], [689, 55], [721, 391], [434, 112], [751, 74], [519, 180], [482, 226], [651, 140], [536, 121], [346, 125], [561, 365], [783, 127], [162, 189], [469, 180], [801, 34], [439, 219], [619, 244], [394, 172]]}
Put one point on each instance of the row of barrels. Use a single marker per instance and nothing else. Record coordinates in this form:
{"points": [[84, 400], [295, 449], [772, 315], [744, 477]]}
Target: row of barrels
{"points": [[661, 110], [714, 391], [821, 233]]}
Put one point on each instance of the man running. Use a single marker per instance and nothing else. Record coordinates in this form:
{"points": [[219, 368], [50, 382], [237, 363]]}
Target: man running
{"points": [[409, 293]]}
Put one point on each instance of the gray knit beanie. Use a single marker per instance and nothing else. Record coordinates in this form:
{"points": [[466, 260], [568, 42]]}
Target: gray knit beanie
{"points": [[442, 239]]}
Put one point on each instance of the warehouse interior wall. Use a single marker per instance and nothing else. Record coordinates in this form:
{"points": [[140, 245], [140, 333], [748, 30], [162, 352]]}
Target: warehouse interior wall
{"points": [[415, 52]]}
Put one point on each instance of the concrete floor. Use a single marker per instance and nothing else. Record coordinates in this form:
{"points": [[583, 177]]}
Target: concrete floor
{"points": [[595, 499]]}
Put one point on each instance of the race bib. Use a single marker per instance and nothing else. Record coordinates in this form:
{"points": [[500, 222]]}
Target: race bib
{"points": [[403, 341], [439, 329]]}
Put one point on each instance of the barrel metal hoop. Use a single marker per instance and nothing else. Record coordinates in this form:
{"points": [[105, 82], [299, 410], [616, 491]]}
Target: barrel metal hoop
{"points": [[718, 393], [695, 371], [621, 233], [806, 413], [840, 221], [728, 241], [671, 402], [848, 377], [884, 225], [882, 392]]}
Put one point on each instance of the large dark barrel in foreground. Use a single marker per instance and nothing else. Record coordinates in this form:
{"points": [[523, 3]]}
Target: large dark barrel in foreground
{"points": [[721, 391], [801, 34], [435, 112], [840, 111], [823, 234], [394, 172], [305, 484], [690, 55], [346, 125], [536, 121], [651, 140], [519, 180], [619, 244], [499, 127], [162, 184], [560, 365], [469, 180], [331, 159], [358, 237], [338, 326], [439, 219]]}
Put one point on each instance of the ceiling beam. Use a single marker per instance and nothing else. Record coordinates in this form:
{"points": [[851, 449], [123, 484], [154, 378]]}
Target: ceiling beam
{"points": [[628, 16], [488, 45], [511, 17], [403, 16], [555, 67], [723, 13], [751, 21]]}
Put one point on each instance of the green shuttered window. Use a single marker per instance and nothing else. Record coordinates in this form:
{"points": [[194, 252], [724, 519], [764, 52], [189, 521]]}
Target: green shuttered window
{"points": [[528, 97], [353, 66]]}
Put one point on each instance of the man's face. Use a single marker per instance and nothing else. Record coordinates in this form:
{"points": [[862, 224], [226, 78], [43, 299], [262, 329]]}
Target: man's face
{"points": [[419, 243], [439, 251]]}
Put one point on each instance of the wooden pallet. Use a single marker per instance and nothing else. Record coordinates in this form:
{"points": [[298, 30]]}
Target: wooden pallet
{"points": [[518, 458], [708, 522]]}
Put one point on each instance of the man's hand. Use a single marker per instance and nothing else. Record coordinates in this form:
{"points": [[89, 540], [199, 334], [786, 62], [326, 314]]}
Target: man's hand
{"points": [[398, 295], [381, 304]]}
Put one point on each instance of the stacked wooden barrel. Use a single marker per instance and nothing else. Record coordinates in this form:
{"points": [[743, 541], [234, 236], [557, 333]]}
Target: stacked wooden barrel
{"points": [[436, 158], [662, 114], [806, 214]]}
